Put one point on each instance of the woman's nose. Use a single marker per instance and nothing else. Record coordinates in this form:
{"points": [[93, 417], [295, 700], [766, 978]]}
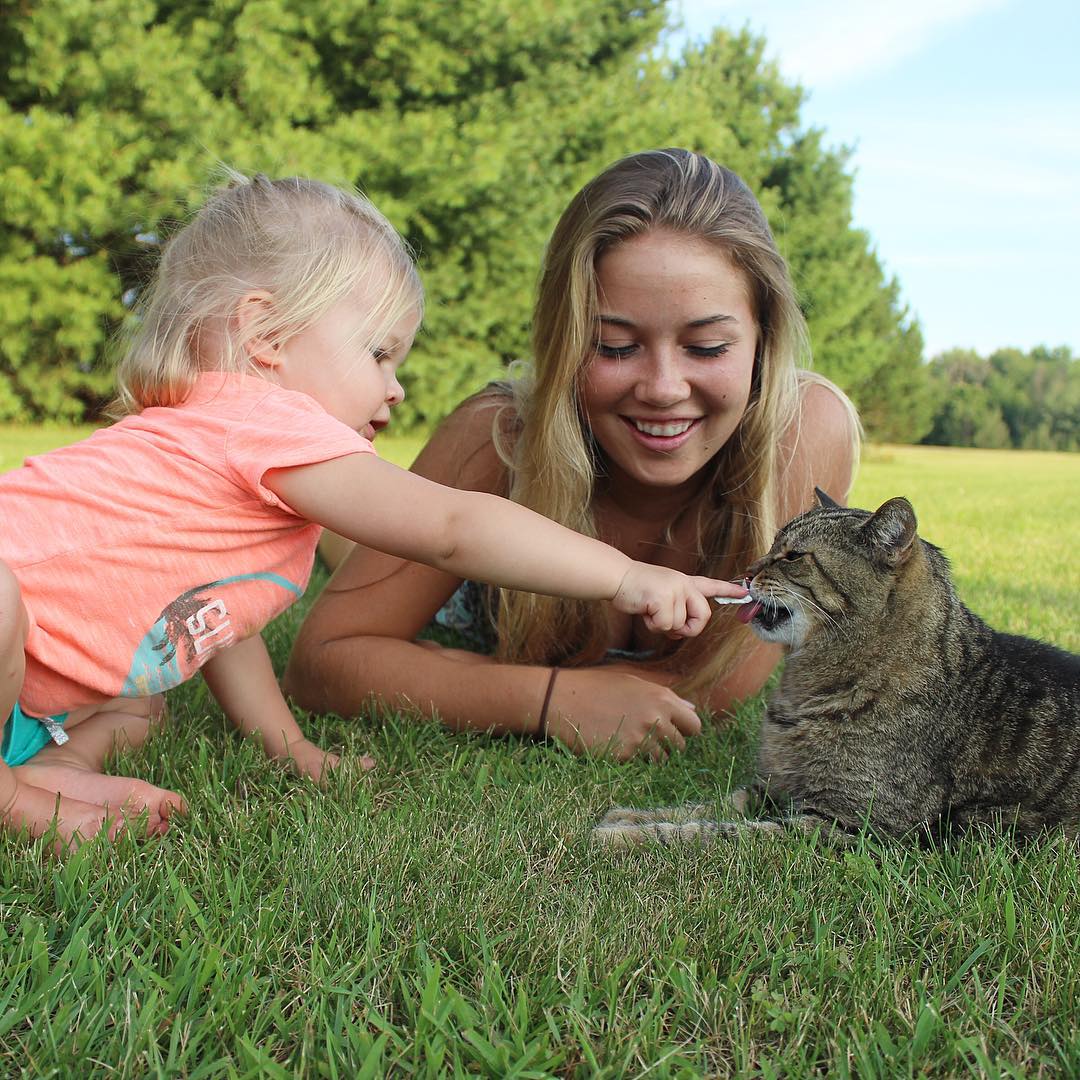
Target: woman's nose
{"points": [[663, 382]]}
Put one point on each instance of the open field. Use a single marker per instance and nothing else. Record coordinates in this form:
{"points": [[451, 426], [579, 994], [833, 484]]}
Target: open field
{"points": [[446, 916], [19, 441]]}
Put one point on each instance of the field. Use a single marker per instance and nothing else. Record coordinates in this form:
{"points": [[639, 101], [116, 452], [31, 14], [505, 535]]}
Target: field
{"points": [[446, 916]]}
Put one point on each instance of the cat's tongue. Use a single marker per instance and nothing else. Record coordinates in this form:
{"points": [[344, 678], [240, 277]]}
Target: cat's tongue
{"points": [[748, 611]]}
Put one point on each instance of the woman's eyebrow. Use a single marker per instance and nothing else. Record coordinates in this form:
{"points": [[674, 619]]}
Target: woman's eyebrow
{"points": [[708, 320]]}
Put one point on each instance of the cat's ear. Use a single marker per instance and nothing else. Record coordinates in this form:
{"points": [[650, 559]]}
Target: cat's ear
{"points": [[823, 500], [891, 531]]}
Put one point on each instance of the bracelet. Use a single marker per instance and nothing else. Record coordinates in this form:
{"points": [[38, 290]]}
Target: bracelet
{"points": [[541, 733]]}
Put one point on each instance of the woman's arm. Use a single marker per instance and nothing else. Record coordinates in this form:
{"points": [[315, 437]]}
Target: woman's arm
{"points": [[357, 641]]}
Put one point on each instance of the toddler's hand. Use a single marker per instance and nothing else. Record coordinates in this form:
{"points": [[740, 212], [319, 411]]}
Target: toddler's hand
{"points": [[306, 759], [670, 603]]}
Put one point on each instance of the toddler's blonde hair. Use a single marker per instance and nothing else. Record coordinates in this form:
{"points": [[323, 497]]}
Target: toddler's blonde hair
{"points": [[306, 243]]}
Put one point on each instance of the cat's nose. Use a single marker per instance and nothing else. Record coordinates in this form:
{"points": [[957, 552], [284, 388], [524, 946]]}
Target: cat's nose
{"points": [[756, 568]]}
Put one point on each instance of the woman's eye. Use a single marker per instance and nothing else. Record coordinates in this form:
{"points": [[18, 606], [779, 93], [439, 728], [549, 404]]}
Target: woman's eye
{"points": [[708, 352], [614, 352]]}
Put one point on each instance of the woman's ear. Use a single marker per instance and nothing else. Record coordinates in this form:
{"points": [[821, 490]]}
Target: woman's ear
{"points": [[251, 321]]}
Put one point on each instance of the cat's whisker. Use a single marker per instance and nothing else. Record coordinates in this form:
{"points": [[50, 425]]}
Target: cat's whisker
{"points": [[781, 588], [805, 600]]}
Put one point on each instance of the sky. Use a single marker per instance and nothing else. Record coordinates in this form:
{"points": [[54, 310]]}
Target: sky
{"points": [[964, 121]]}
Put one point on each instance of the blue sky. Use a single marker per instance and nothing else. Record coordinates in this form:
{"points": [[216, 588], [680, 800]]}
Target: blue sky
{"points": [[964, 117]]}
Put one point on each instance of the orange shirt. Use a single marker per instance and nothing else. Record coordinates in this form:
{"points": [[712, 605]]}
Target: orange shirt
{"points": [[144, 549]]}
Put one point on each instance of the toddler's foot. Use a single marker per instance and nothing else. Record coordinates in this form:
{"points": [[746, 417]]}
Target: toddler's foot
{"points": [[36, 810], [111, 797]]}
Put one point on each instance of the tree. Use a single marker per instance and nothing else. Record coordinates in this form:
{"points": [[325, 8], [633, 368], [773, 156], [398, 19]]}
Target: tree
{"points": [[469, 126], [1011, 398], [863, 337]]}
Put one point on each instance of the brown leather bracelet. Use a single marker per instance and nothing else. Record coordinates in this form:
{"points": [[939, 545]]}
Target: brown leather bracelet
{"points": [[541, 733]]}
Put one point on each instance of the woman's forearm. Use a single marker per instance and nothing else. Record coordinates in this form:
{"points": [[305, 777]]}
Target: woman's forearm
{"points": [[343, 676]]}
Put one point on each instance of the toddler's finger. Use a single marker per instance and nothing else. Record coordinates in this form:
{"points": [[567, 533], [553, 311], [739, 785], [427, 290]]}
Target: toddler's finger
{"points": [[721, 591], [698, 614]]}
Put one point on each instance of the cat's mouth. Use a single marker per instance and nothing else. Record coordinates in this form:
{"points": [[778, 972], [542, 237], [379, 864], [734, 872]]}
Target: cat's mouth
{"points": [[768, 614]]}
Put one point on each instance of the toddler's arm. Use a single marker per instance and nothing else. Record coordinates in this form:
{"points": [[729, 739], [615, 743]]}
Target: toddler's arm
{"points": [[242, 680], [486, 538]]}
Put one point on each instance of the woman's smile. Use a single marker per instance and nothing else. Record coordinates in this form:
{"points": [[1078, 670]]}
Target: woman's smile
{"points": [[673, 362], [665, 435]]}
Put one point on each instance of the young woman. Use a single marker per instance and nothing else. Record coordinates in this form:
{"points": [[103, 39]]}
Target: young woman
{"points": [[668, 412]]}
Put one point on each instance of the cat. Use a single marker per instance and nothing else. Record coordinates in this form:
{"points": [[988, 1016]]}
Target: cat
{"points": [[898, 709]]}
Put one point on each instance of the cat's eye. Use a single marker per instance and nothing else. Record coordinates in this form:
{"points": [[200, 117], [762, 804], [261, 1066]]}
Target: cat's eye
{"points": [[791, 556]]}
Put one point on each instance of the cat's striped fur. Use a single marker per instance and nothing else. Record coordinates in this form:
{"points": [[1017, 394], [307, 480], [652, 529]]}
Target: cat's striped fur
{"points": [[898, 708]]}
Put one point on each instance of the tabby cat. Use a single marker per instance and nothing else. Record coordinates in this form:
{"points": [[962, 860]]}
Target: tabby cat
{"points": [[898, 709]]}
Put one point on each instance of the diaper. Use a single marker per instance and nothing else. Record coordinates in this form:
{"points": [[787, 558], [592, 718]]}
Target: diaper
{"points": [[25, 735]]}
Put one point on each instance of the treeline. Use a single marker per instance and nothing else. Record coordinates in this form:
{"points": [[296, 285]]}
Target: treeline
{"points": [[470, 125], [1023, 400]]}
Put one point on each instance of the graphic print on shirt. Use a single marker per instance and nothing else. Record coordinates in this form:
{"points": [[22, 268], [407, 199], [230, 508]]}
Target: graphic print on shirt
{"points": [[190, 630]]}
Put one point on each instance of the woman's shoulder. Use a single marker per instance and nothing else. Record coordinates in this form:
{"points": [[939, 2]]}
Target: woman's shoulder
{"points": [[467, 449], [820, 446]]}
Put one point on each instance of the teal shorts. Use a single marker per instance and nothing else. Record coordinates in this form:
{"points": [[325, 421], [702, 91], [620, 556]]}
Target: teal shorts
{"points": [[25, 735]]}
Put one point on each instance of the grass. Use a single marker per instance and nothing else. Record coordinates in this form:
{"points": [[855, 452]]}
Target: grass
{"points": [[19, 441], [446, 916]]}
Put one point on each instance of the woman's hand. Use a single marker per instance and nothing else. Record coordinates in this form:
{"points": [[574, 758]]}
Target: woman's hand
{"points": [[594, 710]]}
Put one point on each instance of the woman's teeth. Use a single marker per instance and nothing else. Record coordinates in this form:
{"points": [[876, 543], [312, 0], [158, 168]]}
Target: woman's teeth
{"points": [[668, 430]]}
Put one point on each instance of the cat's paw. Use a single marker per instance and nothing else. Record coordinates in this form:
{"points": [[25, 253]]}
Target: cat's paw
{"points": [[624, 815], [629, 815], [663, 833]]}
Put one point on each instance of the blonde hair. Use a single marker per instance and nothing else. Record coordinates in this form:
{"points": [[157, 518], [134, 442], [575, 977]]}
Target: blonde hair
{"points": [[553, 460], [306, 243]]}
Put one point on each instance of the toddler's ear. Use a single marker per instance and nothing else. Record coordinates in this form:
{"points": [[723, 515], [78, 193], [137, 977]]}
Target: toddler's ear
{"points": [[253, 324]]}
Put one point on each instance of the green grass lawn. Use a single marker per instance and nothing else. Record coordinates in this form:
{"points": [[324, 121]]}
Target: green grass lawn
{"points": [[446, 916]]}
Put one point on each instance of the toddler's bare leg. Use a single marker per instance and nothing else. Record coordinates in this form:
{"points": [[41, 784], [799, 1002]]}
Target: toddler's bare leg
{"points": [[94, 734], [13, 631], [22, 804], [74, 769]]}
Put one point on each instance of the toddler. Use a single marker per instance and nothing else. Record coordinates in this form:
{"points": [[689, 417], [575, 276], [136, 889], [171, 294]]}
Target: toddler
{"points": [[262, 365]]}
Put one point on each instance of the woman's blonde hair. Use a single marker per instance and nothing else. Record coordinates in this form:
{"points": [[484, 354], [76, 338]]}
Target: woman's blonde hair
{"points": [[554, 464], [306, 243]]}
